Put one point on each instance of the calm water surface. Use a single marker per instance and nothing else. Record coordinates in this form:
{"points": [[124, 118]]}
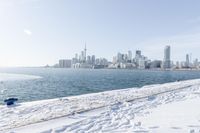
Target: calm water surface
{"points": [[67, 82]]}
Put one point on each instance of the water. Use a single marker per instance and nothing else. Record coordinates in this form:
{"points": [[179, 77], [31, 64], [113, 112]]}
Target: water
{"points": [[68, 82]]}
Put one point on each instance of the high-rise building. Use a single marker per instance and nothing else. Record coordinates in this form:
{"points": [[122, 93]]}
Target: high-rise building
{"points": [[75, 59], [196, 63], [82, 56], [129, 55], [178, 64], [114, 60], [138, 54], [93, 59], [187, 63], [85, 53], [141, 63], [89, 60], [65, 63], [125, 58], [167, 61], [76, 56], [119, 57]]}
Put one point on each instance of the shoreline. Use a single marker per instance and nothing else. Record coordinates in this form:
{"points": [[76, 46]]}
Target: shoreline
{"points": [[60, 107]]}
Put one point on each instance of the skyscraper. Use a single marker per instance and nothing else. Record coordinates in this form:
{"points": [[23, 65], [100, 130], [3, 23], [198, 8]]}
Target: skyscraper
{"points": [[89, 59], [65, 63], [93, 59], [187, 60], [167, 61], [85, 53], [119, 57], [138, 54], [129, 55], [83, 58], [76, 56]]}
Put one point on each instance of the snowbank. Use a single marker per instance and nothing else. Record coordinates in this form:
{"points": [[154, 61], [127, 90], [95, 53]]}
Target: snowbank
{"points": [[124, 110]]}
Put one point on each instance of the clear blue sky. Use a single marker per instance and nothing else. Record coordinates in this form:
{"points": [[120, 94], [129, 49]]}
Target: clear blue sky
{"points": [[39, 32]]}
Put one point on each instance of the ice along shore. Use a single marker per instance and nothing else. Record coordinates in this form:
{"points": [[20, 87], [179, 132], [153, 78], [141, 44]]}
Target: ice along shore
{"points": [[113, 111]]}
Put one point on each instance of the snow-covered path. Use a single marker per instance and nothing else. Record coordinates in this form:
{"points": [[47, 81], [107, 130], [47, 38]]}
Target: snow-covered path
{"points": [[123, 111]]}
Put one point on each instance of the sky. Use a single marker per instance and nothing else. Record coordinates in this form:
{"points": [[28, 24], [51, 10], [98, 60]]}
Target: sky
{"points": [[40, 32]]}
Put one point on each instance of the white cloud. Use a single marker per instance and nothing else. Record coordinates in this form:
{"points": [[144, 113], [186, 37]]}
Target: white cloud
{"points": [[28, 32]]}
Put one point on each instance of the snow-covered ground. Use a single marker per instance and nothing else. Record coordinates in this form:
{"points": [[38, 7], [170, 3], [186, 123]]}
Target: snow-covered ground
{"points": [[171, 107]]}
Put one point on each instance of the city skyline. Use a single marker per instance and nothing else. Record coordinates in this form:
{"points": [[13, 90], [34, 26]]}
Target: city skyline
{"points": [[40, 32], [128, 61]]}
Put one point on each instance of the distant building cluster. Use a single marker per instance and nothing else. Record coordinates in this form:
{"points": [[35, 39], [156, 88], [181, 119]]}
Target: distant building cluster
{"points": [[187, 64], [84, 61], [128, 61]]}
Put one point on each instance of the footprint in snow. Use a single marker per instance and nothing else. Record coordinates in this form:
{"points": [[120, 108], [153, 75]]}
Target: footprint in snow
{"points": [[193, 125], [154, 127], [175, 128], [141, 131]]}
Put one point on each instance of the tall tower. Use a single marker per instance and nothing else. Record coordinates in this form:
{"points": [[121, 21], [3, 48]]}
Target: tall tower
{"points": [[85, 53], [187, 60], [167, 61]]}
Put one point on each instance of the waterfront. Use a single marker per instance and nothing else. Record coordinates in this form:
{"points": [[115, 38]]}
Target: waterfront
{"points": [[125, 110], [69, 82]]}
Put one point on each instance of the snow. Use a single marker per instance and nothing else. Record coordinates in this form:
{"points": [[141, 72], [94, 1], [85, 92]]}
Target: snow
{"points": [[183, 116], [14, 77], [171, 107]]}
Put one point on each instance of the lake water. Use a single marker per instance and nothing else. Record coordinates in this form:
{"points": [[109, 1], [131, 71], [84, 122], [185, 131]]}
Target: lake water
{"points": [[57, 82]]}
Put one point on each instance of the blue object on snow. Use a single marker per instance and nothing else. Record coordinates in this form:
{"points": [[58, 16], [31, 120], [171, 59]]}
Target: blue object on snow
{"points": [[10, 101], [151, 98]]}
